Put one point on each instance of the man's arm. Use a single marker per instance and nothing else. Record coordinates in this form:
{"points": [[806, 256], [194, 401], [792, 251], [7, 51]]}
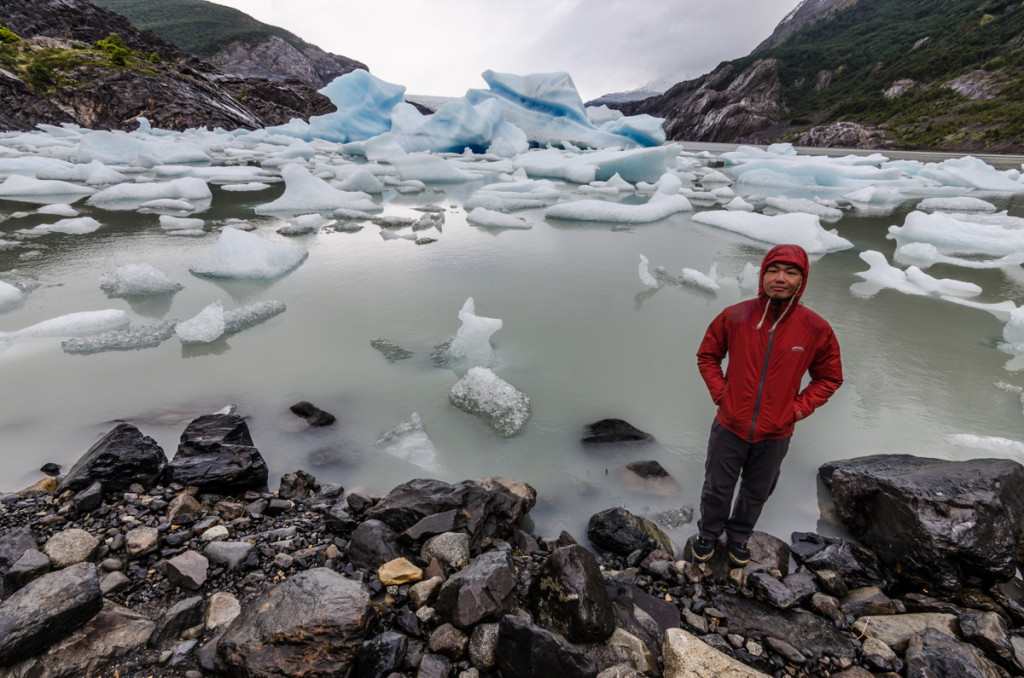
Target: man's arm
{"points": [[826, 376], [710, 356]]}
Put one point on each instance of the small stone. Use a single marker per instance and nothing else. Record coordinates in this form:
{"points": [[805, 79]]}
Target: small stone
{"points": [[399, 571], [221, 610], [184, 510], [141, 541], [39, 489], [112, 582], [215, 533], [70, 547], [187, 570], [423, 593]]}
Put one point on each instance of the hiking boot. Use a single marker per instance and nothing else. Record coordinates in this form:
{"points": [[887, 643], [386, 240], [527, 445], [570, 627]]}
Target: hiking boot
{"points": [[739, 554], [702, 549]]}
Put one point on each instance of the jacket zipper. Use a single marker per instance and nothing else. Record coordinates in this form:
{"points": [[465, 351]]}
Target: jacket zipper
{"points": [[760, 386]]}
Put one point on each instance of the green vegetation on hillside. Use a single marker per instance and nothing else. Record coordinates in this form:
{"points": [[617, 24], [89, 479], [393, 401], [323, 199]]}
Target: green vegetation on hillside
{"points": [[195, 26], [49, 67], [840, 69]]}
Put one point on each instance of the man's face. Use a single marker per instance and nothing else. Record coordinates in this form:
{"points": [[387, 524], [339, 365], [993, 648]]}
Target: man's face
{"points": [[781, 280]]}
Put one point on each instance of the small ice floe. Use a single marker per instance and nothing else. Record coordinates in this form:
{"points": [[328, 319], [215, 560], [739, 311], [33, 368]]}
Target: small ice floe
{"points": [[485, 395], [409, 442], [137, 280]]}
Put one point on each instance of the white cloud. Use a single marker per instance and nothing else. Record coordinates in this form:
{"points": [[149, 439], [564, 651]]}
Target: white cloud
{"points": [[441, 46]]}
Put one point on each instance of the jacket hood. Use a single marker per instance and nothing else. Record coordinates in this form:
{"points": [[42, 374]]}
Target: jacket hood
{"points": [[790, 254]]}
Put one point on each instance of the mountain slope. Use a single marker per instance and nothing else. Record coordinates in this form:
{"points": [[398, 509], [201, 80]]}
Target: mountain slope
{"points": [[72, 61], [926, 74], [233, 41]]}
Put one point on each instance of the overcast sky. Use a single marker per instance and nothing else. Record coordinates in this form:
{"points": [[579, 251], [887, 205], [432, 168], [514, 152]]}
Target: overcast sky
{"points": [[440, 47]]}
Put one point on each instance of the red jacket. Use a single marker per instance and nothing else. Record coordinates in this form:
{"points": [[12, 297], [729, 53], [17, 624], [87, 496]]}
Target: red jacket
{"points": [[770, 345]]}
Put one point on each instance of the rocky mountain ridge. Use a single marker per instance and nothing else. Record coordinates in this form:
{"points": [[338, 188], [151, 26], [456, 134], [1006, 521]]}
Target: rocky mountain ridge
{"points": [[233, 41], [909, 74], [69, 61]]}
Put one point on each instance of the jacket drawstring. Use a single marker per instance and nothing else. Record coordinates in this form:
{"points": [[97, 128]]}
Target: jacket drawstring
{"points": [[781, 315]]}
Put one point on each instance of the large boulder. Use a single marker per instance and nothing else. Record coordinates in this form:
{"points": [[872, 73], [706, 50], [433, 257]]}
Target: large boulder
{"points": [[311, 625], [46, 610], [620, 532], [122, 457], [487, 507], [528, 651], [938, 523], [484, 591], [569, 596], [216, 453]]}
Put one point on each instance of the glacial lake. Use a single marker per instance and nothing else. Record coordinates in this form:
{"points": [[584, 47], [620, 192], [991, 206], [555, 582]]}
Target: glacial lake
{"points": [[582, 337]]}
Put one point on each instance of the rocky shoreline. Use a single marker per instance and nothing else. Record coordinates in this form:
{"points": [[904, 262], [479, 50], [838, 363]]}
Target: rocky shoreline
{"points": [[131, 564]]}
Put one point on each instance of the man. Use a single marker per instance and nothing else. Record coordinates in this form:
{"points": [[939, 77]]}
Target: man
{"points": [[771, 342]]}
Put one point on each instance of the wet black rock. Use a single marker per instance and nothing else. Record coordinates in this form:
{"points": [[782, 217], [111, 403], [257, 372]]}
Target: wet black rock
{"points": [[526, 650], [858, 566], [122, 457], [216, 454], [620, 532], [938, 523], [569, 596], [614, 431], [313, 415]]}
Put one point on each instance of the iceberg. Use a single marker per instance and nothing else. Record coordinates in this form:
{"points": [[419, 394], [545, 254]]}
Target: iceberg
{"points": [[797, 228], [881, 275], [954, 234], [30, 189], [131, 196], [481, 216], [487, 396], [305, 193], [409, 442], [239, 254], [72, 325], [665, 202], [75, 226], [137, 280], [10, 297]]}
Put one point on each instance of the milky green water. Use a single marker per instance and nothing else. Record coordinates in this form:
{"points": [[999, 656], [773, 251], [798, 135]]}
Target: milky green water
{"points": [[582, 337]]}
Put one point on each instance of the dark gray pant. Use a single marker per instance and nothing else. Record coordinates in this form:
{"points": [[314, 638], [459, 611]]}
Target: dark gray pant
{"points": [[731, 458]]}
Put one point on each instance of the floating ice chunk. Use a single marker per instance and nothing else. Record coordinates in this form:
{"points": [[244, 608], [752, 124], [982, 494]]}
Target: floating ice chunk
{"points": [[956, 204], [10, 297], [697, 279], [130, 196], [132, 339], [925, 254], [511, 196], [172, 223], [664, 203], [644, 129], [970, 172], [798, 228], [632, 165], [171, 206], [76, 226], [787, 205], [431, 169], [238, 254], [140, 279], [881, 275], [875, 195], [599, 115], [305, 224], [409, 441], [58, 209], [645, 274], [956, 235], [121, 148], [93, 173], [471, 345], [738, 204], [206, 326], [485, 395], [481, 216], [247, 186], [362, 180], [305, 193], [252, 315], [74, 324], [1002, 310], [750, 278], [21, 188], [1012, 448]]}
